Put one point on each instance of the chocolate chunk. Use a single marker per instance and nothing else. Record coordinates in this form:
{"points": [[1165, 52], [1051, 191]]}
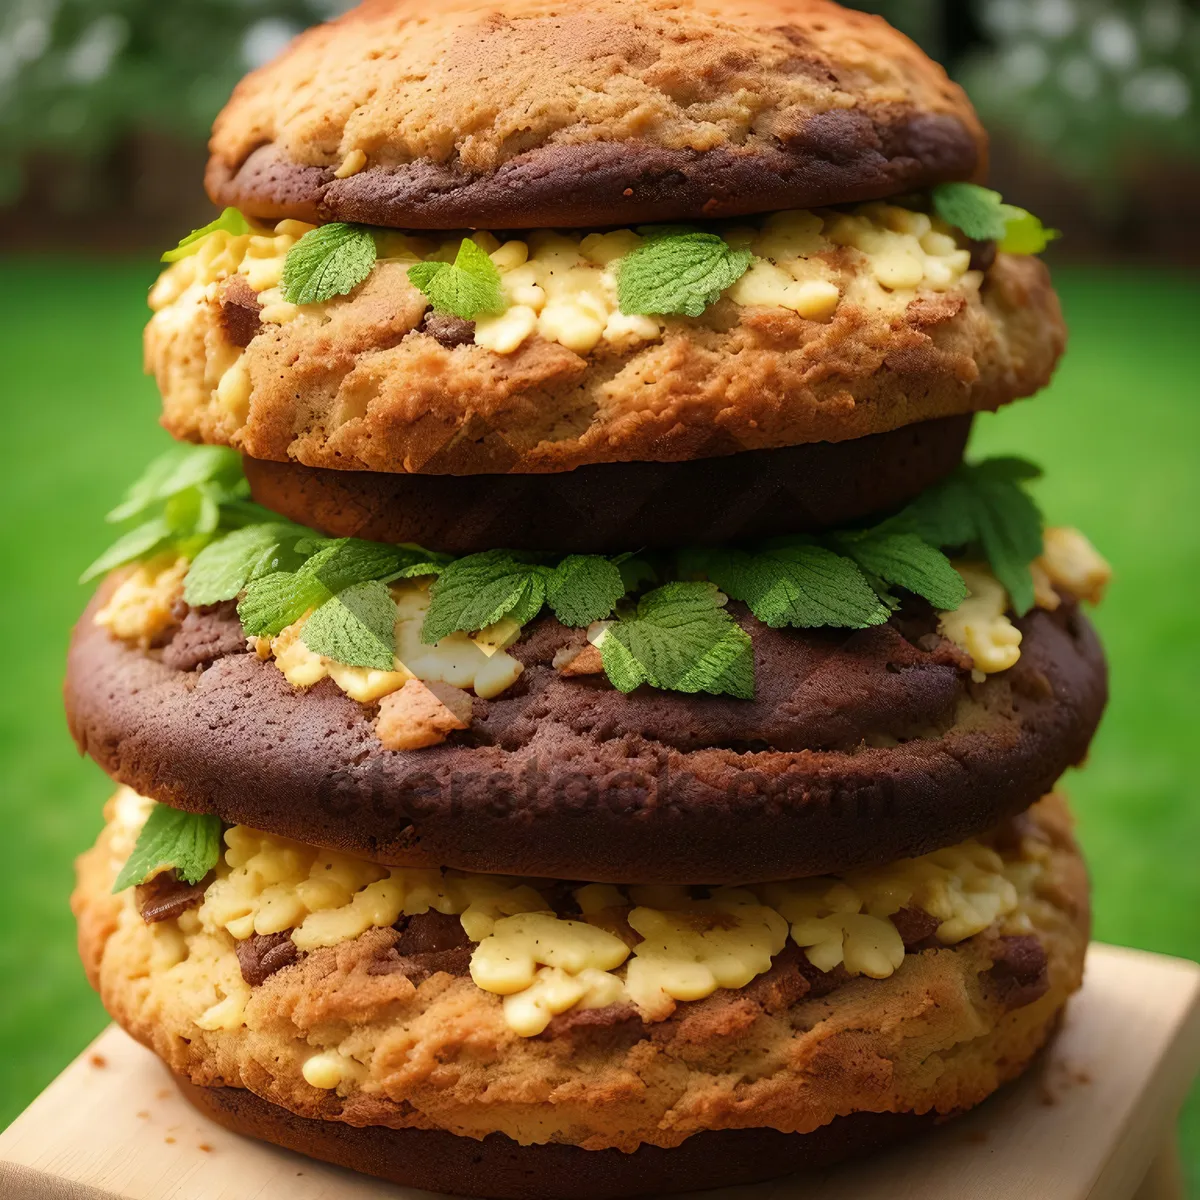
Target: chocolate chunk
{"points": [[425, 945], [786, 983], [623, 1016], [983, 255], [239, 311], [166, 896], [430, 933], [205, 635], [821, 983], [262, 954], [419, 967], [449, 331], [915, 927], [1019, 974]]}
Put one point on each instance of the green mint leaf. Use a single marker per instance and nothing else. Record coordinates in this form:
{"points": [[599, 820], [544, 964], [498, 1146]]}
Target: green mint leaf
{"points": [[180, 498], [135, 544], [474, 592], [1024, 233], [680, 639], [357, 627], [529, 603], [905, 560], [1010, 532], [678, 273], [636, 570], [231, 221], [1006, 469], [175, 471], [796, 583], [195, 510], [421, 565], [223, 568], [328, 261], [468, 288], [188, 842], [942, 516], [273, 602], [984, 217], [976, 210], [347, 561], [983, 509], [584, 588]]}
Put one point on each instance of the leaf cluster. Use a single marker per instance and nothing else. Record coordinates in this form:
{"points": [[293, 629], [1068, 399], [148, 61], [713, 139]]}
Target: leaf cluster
{"points": [[676, 635], [984, 217], [469, 287], [181, 501], [188, 843]]}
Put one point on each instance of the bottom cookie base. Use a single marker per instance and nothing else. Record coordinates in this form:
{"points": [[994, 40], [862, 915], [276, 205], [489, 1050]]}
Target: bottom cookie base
{"points": [[500, 1169]]}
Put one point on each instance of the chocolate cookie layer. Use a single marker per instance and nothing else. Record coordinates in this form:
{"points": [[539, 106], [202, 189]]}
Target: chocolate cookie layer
{"points": [[525, 115], [859, 748], [609, 507], [498, 1167]]}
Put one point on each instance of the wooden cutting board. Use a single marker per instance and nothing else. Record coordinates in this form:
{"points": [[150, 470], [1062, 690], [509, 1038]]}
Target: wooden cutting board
{"points": [[1094, 1119]]}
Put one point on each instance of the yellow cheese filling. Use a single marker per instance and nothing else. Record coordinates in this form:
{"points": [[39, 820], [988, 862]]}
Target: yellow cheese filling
{"points": [[649, 946], [142, 606], [1069, 566], [477, 661], [561, 286]]}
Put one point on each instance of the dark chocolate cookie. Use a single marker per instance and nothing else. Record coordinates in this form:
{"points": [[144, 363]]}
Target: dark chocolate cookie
{"points": [[859, 748], [609, 508], [500, 1168]]}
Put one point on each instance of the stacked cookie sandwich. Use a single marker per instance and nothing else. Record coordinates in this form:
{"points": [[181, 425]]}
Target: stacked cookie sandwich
{"points": [[582, 727]]}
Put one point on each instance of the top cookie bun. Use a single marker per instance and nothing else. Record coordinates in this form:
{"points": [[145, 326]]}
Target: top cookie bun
{"points": [[524, 113]]}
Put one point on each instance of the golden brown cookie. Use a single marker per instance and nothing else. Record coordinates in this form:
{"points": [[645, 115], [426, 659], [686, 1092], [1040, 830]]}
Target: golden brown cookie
{"points": [[876, 319], [525, 114], [386, 1029]]}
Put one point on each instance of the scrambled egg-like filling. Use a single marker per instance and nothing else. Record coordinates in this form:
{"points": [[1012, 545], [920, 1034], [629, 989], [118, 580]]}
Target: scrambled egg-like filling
{"points": [[980, 625], [651, 947], [141, 607], [562, 286], [477, 661], [1069, 565]]}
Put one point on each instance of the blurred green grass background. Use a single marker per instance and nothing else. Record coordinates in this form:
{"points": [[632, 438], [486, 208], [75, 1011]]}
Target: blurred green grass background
{"points": [[1119, 435]]}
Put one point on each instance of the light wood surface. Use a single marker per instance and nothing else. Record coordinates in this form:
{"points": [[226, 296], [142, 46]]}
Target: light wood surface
{"points": [[1089, 1121]]}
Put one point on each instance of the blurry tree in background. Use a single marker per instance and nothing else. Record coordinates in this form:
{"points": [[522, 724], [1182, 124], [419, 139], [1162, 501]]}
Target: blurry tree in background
{"points": [[1097, 108], [1094, 83], [104, 105]]}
